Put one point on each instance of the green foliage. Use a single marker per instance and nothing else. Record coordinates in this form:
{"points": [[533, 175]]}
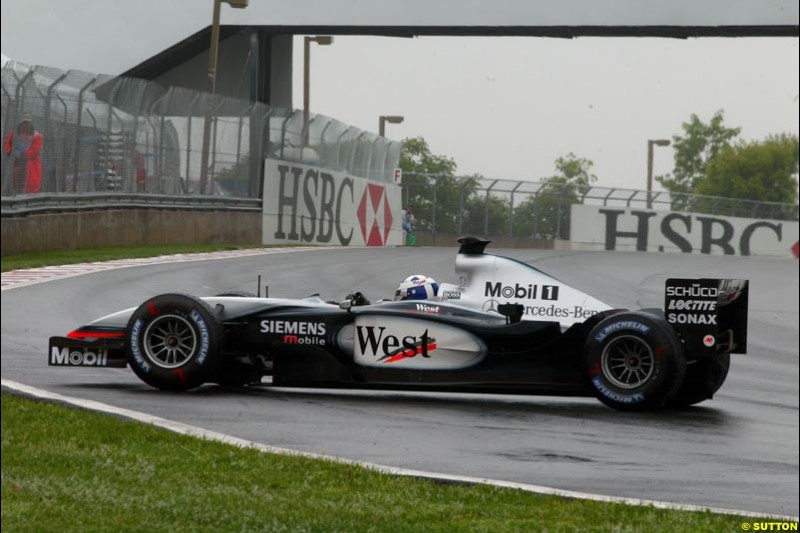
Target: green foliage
{"points": [[757, 170], [419, 167], [73, 470], [486, 215], [699, 144], [462, 207], [69, 257], [546, 215], [416, 158]]}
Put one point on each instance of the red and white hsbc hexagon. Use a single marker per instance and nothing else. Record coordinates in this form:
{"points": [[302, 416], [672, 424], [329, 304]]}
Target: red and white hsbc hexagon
{"points": [[313, 205]]}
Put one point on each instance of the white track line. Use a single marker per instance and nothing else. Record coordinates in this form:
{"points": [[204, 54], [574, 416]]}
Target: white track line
{"points": [[194, 431], [32, 276]]}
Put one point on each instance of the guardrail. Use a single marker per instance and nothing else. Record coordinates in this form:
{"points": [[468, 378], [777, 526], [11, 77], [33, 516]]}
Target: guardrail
{"points": [[65, 202]]}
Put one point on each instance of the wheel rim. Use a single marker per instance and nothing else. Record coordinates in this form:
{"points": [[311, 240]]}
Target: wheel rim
{"points": [[170, 341], [627, 362]]}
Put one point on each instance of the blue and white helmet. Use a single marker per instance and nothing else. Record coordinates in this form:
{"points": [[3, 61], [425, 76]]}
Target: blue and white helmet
{"points": [[417, 287]]}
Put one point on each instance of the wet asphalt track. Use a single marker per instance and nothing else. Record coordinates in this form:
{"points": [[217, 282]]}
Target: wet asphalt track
{"points": [[738, 451]]}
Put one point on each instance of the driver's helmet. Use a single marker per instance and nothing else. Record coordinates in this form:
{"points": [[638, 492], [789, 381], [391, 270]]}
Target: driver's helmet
{"points": [[417, 287]]}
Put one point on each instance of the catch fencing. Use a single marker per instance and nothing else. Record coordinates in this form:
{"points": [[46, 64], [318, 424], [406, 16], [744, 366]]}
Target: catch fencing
{"points": [[541, 210], [112, 134]]}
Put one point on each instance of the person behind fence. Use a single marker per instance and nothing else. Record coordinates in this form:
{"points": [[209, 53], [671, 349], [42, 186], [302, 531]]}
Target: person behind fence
{"points": [[408, 220], [23, 145]]}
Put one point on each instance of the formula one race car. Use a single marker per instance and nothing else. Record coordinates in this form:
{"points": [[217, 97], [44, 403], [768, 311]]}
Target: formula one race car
{"points": [[507, 327]]}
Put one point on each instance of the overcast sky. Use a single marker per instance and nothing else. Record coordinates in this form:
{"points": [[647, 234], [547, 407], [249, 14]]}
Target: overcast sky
{"points": [[508, 107], [502, 107]]}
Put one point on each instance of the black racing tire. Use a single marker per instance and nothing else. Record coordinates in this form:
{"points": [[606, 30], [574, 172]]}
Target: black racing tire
{"points": [[174, 342], [237, 294], [704, 378], [634, 362]]}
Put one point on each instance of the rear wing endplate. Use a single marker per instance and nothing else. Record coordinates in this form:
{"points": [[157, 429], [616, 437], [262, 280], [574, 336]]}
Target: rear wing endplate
{"points": [[710, 314]]}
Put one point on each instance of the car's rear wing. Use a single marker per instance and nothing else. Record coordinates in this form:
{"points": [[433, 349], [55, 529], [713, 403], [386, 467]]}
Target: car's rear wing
{"points": [[709, 314]]}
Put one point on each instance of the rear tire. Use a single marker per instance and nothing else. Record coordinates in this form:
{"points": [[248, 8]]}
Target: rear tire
{"points": [[174, 342], [703, 379], [634, 362]]}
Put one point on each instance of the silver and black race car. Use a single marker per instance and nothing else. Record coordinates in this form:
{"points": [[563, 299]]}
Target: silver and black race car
{"points": [[506, 327]]}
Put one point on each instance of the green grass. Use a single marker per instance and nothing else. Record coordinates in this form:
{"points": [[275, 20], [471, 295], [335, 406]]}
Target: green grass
{"points": [[68, 257], [71, 470]]}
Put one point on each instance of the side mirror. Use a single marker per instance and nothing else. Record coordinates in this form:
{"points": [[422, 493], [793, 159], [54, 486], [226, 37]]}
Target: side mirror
{"points": [[346, 304]]}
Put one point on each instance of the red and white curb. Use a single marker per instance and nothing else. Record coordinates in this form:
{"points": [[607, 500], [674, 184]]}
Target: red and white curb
{"points": [[31, 276], [194, 431]]}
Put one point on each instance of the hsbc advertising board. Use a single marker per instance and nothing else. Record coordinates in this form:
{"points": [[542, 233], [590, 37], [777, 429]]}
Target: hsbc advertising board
{"points": [[306, 204], [615, 228]]}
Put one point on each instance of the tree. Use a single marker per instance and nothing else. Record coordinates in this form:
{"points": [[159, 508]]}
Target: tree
{"points": [[764, 171], [546, 215], [700, 143], [428, 177]]}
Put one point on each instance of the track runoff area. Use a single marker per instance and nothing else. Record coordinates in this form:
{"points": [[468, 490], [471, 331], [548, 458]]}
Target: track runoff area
{"points": [[21, 279]]}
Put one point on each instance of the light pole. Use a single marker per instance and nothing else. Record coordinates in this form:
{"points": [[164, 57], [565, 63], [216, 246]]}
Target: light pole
{"points": [[211, 87], [322, 40], [650, 144], [391, 119]]}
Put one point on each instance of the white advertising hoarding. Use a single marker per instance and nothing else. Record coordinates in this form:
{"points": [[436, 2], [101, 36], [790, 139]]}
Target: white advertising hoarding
{"points": [[595, 227], [312, 205]]}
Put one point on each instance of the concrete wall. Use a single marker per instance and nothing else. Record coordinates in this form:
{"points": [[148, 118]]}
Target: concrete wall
{"points": [[127, 227]]}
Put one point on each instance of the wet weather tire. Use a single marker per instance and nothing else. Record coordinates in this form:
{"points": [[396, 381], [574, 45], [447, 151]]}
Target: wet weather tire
{"points": [[634, 362], [174, 342], [703, 379]]}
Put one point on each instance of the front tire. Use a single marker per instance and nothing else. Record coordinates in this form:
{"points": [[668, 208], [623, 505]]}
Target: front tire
{"points": [[634, 362], [174, 342]]}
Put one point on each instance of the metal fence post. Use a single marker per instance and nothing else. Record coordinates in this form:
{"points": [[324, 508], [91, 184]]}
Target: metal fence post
{"points": [[354, 152], [433, 216], [190, 118], [110, 118], [93, 172], [558, 214], [61, 184], [20, 87], [76, 166], [461, 208], [283, 133], [213, 147], [49, 139], [239, 132], [486, 208], [511, 211]]}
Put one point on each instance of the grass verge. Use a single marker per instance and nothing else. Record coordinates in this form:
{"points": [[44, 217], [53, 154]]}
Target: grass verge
{"points": [[69, 257], [71, 470]]}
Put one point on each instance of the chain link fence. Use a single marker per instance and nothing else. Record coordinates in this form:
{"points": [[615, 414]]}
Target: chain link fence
{"points": [[112, 134], [541, 210]]}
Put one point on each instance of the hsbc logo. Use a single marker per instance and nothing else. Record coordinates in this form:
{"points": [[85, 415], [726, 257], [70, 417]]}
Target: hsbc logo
{"points": [[323, 200], [374, 215], [77, 357], [313, 205]]}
